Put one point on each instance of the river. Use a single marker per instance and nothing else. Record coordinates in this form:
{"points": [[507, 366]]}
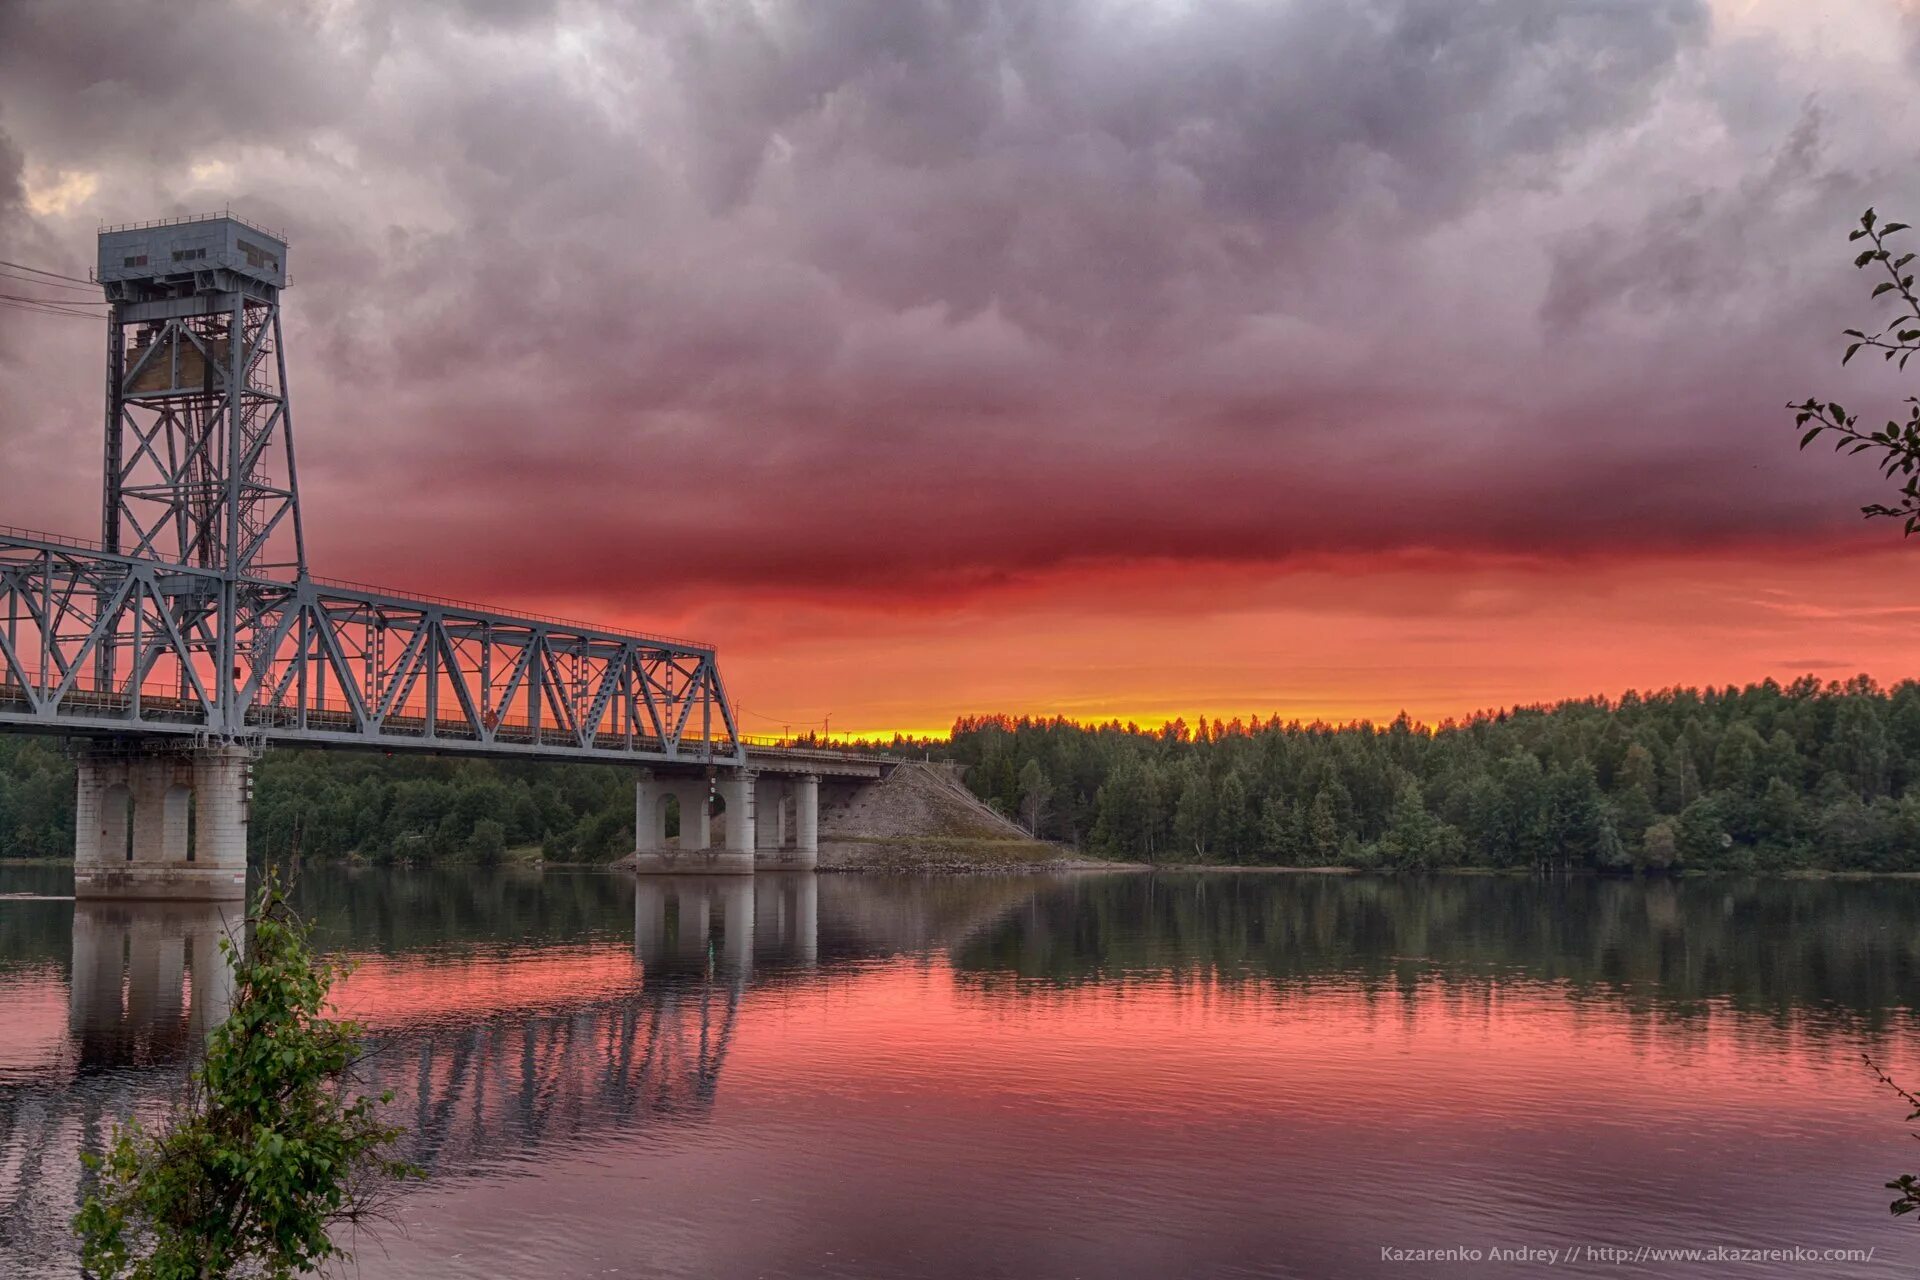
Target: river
{"points": [[1112, 1075]]}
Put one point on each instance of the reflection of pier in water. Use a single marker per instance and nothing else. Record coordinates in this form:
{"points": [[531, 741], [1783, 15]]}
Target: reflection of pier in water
{"points": [[148, 980], [147, 984], [645, 1046]]}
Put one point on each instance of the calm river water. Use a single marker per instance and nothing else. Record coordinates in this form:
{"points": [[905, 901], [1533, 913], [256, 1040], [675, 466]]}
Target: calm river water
{"points": [[1102, 1076]]}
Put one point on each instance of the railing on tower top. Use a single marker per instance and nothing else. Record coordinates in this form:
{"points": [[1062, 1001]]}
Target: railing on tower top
{"points": [[180, 220]]}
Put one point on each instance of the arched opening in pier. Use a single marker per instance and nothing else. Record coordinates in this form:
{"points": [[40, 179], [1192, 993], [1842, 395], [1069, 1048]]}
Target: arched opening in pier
{"points": [[667, 818]]}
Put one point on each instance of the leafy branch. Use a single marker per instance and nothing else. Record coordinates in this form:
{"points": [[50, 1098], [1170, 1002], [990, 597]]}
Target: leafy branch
{"points": [[1906, 1184], [1897, 443]]}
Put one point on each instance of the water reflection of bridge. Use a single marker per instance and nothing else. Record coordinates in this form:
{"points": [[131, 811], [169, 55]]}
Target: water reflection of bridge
{"points": [[642, 1045], [502, 1083], [498, 1085]]}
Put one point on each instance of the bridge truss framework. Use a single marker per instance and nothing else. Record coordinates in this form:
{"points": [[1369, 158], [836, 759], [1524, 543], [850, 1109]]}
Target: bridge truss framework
{"points": [[97, 643]]}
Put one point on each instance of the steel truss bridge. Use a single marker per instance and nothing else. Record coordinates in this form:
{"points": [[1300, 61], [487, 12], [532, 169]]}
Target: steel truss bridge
{"points": [[94, 642]]}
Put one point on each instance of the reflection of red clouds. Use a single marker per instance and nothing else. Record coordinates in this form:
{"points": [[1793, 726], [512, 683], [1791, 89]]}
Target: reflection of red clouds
{"points": [[33, 1011], [889, 1034], [394, 991], [1326, 1052]]}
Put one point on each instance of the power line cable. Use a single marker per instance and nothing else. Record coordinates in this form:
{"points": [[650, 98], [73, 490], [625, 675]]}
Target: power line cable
{"points": [[70, 303], [42, 309], [58, 302], [40, 271], [40, 282], [785, 720]]}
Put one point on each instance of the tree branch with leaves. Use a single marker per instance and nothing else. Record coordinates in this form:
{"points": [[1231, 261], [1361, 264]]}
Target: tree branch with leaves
{"points": [[1906, 1184], [1897, 444]]}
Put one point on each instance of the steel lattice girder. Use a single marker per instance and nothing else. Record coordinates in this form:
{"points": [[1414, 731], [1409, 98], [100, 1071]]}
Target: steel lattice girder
{"points": [[100, 643]]}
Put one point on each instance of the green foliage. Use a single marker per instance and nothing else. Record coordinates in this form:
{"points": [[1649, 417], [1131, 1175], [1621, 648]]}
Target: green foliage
{"points": [[271, 1147], [36, 799], [420, 809], [1035, 790], [1907, 1184], [1761, 778], [1897, 444], [488, 842]]}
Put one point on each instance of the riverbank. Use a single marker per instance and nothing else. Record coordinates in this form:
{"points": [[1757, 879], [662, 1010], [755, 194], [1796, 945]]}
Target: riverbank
{"points": [[940, 855], [958, 856]]}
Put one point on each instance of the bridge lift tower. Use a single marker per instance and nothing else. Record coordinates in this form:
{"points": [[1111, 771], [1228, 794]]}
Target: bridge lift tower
{"points": [[198, 472], [192, 634]]}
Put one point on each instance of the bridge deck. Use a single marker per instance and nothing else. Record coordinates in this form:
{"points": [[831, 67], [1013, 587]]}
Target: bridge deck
{"points": [[90, 713]]}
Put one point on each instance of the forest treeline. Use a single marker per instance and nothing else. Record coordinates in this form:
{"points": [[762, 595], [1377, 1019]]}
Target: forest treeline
{"points": [[1761, 778]]}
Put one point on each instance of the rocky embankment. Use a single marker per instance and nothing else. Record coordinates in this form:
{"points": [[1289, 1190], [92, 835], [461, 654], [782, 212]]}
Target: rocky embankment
{"points": [[922, 818]]}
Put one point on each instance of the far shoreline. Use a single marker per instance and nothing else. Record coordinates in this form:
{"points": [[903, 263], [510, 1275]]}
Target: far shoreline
{"points": [[1074, 865]]}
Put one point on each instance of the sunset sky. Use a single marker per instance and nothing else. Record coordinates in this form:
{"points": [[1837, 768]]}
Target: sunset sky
{"points": [[1130, 358]]}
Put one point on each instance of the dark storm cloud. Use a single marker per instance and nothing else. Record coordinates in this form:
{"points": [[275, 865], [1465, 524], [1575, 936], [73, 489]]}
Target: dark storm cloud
{"points": [[1706, 243], [915, 294], [13, 200]]}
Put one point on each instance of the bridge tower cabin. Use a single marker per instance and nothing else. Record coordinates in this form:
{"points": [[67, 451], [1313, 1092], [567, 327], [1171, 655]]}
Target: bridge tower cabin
{"points": [[198, 472]]}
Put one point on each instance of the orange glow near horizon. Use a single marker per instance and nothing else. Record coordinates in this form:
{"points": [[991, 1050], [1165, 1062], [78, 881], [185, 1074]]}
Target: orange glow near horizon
{"points": [[1435, 636]]}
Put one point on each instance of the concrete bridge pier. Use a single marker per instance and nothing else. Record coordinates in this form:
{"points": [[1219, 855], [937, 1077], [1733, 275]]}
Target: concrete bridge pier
{"points": [[736, 790], [788, 809], [691, 852], [160, 823]]}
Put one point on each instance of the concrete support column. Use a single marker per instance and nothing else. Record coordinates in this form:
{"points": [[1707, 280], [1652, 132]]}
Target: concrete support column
{"points": [[769, 813], [696, 821], [806, 821], [646, 818], [784, 846], [100, 820], [168, 824], [222, 788], [737, 793]]}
